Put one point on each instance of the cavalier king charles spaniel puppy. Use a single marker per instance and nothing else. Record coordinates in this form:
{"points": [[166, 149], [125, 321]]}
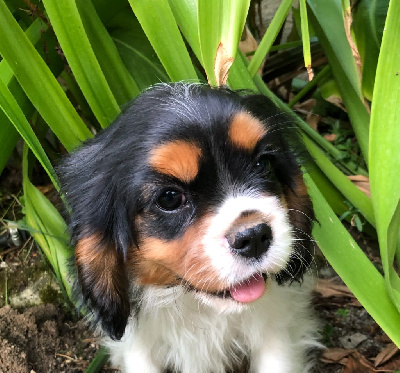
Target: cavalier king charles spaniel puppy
{"points": [[192, 227]]}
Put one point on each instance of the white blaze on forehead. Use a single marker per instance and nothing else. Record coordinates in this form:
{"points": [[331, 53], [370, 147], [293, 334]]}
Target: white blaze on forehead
{"points": [[234, 268]]}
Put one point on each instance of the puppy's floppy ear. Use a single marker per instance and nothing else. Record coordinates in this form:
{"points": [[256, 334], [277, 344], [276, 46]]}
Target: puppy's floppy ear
{"points": [[101, 231], [104, 283]]}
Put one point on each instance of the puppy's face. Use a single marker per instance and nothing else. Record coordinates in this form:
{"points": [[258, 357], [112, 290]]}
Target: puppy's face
{"points": [[197, 188]]}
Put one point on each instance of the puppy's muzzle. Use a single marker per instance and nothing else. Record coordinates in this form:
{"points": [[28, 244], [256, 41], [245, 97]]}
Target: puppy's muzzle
{"points": [[250, 242]]}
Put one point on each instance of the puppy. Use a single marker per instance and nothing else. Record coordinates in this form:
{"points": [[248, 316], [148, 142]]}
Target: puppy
{"points": [[192, 228]]}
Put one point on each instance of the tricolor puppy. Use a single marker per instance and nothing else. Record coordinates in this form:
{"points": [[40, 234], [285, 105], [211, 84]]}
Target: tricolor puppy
{"points": [[192, 228]]}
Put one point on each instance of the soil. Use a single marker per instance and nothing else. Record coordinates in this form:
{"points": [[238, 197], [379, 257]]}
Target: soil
{"points": [[43, 339]]}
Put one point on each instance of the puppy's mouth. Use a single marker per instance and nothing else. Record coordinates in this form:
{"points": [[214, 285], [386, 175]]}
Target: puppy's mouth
{"points": [[245, 291]]}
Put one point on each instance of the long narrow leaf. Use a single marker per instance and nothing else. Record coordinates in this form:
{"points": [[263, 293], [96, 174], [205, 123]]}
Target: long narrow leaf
{"points": [[8, 134], [120, 81], [136, 51], [67, 24], [385, 144], [14, 113], [355, 196], [305, 37], [353, 266], [368, 22], [220, 26], [326, 16], [47, 227], [159, 24], [270, 36], [185, 13], [39, 83]]}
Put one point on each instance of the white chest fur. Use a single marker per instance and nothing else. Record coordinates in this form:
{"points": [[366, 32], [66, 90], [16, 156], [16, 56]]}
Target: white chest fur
{"points": [[174, 329]]}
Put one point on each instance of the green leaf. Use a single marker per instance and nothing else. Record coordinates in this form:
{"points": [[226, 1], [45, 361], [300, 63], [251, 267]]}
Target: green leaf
{"points": [[356, 197], [38, 82], [326, 16], [270, 36], [305, 37], [159, 25], [368, 22], [8, 134], [48, 228], [14, 113], [67, 24], [220, 26], [385, 143], [136, 51], [99, 361], [352, 265], [185, 13], [8, 139], [120, 81]]}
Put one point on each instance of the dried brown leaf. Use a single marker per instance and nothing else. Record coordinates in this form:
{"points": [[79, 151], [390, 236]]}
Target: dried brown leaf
{"points": [[362, 183], [336, 356], [328, 289], [222, 64], [386, 354], [330, 137], [312, 120], [357, 363]]}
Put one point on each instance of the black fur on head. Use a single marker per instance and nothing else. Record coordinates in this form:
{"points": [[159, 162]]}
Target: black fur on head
{"points": [[108, 184]]}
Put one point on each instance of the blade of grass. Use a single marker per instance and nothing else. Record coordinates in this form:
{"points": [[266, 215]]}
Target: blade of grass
{"points": [[351, 264], [136, 51], [384, 154], [185, 13], [269, 37], [354, 195], [14, 113], [39, 83], [67, 24], [8, 134], [99, 361], [8, 139], [326, 16], [310, 85], [159, 25], [220, 26], [368, 22], [48, 228], [123, 87], [305, 37]]}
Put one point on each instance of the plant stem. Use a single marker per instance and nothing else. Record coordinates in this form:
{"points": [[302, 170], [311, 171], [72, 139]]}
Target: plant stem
{"points": [[310, 85]]}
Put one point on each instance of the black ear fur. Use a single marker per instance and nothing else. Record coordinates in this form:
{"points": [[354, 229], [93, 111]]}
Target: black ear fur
{"points": [[101, 231]]}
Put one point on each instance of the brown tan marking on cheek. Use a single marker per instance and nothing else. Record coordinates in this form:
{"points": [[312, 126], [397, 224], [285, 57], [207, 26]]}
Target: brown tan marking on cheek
{"points": [[161, 262], [179, 159], [99, 265], [246, 131]]}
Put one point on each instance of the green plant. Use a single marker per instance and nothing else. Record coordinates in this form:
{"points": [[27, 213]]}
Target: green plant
{"points": [[72, 64]]}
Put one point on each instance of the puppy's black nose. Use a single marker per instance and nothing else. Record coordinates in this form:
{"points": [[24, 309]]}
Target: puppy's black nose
{"points": [[251, 242]]}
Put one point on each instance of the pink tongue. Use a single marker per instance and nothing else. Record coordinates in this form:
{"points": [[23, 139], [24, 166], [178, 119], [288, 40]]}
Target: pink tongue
{"points": [[249, 290]]}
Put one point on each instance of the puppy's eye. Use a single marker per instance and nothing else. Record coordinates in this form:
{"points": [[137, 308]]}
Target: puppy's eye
{"points": [[170, 200], [263, 164]]}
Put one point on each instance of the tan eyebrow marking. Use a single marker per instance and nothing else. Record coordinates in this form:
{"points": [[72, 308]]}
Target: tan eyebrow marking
{"points": [[179, 159], [245, 131]]}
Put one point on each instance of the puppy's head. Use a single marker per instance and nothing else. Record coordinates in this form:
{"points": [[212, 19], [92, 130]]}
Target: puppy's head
{"points": [[191, 186]]}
